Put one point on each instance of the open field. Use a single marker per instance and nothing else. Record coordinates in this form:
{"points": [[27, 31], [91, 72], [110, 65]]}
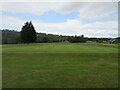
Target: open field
{"points": [[60, 65]]}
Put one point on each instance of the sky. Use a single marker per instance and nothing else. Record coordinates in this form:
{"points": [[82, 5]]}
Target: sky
{"points": [[91, 19]]}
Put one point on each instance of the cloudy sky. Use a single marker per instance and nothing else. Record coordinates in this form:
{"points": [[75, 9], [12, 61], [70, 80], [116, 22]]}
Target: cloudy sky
{"points": [[92, 19]]}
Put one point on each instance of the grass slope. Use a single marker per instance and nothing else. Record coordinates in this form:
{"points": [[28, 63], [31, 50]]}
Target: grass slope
{"points": [[60, 65]]}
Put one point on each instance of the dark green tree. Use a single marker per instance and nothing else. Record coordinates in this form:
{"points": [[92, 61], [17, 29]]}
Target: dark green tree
{"points": [[28, 33]]}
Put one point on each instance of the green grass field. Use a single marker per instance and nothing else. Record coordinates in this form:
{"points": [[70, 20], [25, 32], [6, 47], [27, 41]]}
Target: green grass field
{"points": [[60, 65]]}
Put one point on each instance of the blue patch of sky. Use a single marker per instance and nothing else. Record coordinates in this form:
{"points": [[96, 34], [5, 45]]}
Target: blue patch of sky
{"points": [[49, 16], [52, 16], [113, 16], [6, 26]]}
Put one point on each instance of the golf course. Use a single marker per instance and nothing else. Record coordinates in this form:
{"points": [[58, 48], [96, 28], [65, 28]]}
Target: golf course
{"points": [[60, 65]]}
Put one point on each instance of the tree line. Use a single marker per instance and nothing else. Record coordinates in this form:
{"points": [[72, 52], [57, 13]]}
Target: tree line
{"points": [[13, 37], [29, 35]]}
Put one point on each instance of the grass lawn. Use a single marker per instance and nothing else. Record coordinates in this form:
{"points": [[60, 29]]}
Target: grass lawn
{"points": [[60, 65]]}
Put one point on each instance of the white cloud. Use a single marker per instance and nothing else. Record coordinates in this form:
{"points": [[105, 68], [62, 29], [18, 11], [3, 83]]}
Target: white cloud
{"points": [[89, 10], [98, 10], [15, 22], [67, 28]]}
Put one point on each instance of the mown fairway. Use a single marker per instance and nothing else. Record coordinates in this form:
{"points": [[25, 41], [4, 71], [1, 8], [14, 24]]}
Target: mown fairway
{"points": [[60, 65]]}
